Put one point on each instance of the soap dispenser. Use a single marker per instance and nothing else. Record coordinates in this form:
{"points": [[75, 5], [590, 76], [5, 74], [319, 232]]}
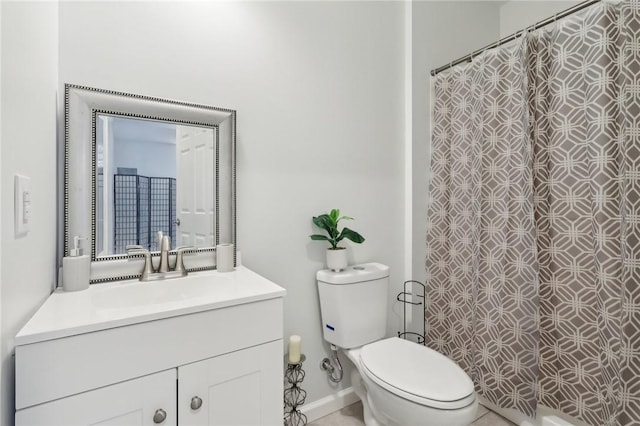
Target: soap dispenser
{"points": [[76, 268]]}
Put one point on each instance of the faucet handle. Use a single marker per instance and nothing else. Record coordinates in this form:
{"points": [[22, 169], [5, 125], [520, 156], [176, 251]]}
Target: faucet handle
{"points": [[179, 259], [148, 264]]}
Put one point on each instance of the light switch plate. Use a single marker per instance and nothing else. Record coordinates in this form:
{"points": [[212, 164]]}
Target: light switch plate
{"points": [[22, 204]]}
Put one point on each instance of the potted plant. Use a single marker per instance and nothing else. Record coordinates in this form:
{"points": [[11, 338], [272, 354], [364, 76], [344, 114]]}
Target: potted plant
{"points": [[336, 256]]}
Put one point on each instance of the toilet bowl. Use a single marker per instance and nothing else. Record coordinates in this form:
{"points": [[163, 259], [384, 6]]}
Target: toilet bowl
{"points": [[404, 383], [398, 381]]}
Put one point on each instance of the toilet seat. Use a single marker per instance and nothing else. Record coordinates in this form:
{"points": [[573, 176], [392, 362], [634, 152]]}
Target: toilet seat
{"points": [[417, 373]]}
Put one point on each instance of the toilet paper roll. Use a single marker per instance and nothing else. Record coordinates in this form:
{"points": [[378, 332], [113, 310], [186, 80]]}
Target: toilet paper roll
{"points": [[224, 257]]}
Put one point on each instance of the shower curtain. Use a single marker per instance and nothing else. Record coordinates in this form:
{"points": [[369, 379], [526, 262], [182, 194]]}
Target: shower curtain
{"points": [[533, 253]]}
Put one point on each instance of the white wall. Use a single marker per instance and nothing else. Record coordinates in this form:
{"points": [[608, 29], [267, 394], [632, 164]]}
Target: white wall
{"points": [[28, 114], [442, 32], [318, 87], [149, 158], [516, 15]]}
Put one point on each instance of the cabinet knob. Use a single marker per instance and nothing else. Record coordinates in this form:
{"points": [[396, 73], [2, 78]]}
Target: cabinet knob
{"points": [[196, 402], [159, 416]]}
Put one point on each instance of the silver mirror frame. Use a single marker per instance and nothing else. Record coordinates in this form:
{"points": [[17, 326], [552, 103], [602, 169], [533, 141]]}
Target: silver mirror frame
{"points": [[82, 105]]}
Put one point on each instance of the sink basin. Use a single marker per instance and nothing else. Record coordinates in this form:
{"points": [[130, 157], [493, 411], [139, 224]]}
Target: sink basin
{"points": [[140, 294]]}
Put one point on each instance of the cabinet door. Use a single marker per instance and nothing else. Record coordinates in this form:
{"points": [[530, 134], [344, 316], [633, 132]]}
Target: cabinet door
{"points": [[131, 403], [239, 388]]}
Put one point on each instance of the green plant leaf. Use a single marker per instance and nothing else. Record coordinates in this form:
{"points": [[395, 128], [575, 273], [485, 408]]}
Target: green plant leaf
{"points": [[334, 215], [351, 235], [325, 222], [321, 222], [328, 222]]}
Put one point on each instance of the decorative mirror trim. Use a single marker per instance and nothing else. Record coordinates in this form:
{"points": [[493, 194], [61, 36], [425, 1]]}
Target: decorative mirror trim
{"points": [[82, 105]]}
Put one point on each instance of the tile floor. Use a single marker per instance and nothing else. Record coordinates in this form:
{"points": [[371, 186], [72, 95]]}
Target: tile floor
{"points": [[352, 416]]}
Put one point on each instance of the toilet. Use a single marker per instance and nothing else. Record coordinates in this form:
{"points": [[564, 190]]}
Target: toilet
{"points": [[399, 382]]}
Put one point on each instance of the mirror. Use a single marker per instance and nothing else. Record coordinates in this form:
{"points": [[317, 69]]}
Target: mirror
{"points": [[136, 165], [153, 176]]}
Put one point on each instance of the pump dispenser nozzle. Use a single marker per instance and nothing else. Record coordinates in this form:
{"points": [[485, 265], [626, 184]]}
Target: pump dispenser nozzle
{"points": [[76, 250]]}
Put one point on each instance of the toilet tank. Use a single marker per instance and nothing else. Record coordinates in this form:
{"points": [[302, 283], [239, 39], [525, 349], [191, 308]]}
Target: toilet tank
{"points": [[353, 304]]}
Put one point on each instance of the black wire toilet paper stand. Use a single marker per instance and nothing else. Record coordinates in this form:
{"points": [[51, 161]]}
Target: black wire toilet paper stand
{"points": [[413, 295]]}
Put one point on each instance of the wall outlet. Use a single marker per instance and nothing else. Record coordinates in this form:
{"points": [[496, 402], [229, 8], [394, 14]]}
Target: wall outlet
{"points": [[22, 204]]}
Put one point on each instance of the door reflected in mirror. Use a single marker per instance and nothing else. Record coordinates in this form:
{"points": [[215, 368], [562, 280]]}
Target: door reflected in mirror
{"points": [[153, 176]]}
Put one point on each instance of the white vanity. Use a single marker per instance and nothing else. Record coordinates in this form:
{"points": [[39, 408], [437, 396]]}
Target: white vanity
{"points": [[204, 349]]}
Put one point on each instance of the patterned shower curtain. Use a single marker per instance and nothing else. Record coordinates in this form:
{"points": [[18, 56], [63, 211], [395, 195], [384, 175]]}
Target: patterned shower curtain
{"points": [[534, 218]]}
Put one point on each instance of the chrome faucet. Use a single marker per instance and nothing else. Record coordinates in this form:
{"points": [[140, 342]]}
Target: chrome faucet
{"points": [[165, 246], [164, 270]]}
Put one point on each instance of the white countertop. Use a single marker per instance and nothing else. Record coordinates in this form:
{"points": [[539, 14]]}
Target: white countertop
{"points": [[122, 303]]}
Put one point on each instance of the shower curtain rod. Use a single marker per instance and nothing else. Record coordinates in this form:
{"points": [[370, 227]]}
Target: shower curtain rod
{"points": [[513, 36]]}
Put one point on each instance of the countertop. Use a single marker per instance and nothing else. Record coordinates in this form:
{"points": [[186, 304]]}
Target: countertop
{"points": [[104, 306]]}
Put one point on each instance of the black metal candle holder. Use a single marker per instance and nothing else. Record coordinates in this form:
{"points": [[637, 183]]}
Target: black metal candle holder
{"points": [[294, 396]]}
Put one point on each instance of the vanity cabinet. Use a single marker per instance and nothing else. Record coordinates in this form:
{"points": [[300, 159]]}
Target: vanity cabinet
{"points": [[232, 389], [131, 403], [219, 363]]}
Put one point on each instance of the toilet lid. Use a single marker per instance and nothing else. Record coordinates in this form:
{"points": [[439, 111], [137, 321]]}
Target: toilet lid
{"points": [[417, 373]]}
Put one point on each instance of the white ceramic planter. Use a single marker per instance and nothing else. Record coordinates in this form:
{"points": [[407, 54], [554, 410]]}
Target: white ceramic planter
{"points": [[337, 259]]}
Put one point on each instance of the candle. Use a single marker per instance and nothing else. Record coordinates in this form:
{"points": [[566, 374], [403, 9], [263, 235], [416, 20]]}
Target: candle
{"points": [[294, 349]]}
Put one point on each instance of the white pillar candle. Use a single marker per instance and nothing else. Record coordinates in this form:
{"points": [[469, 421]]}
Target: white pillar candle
{"points": [[294, 349]]}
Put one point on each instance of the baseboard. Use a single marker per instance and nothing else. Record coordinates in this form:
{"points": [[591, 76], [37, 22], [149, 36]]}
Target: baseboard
{"points": [[327, 405]]}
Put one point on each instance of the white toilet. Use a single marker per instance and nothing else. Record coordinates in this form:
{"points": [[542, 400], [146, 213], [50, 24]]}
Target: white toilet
{"points": [[398, 381]]}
